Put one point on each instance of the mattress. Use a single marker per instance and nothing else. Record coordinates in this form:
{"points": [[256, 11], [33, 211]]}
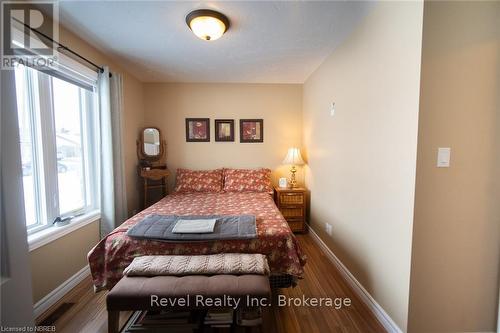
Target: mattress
{"points": [[115, 252]]}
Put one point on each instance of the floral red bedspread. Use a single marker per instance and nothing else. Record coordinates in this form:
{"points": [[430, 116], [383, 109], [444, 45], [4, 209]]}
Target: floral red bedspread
{"points": [[116, 251]]}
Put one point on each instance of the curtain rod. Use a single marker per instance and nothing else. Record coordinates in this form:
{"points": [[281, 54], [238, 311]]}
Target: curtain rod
{"points": [[63, 47]]}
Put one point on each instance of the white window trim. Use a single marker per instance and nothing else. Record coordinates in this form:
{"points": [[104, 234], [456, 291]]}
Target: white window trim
{"points": [[43, 234], [50, 205], [50, 234]]}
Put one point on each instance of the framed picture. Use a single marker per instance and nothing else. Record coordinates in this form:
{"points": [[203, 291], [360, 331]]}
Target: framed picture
{"points": [[251, 130], [283, 182], [197, 130], [224, 130]]}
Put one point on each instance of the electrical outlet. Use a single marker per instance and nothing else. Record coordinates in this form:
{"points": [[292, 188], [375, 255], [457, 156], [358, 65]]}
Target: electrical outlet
{"points": [[328, 228]]}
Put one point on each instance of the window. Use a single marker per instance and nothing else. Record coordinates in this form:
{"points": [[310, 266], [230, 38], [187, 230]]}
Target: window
{"points": [[58, 128]]}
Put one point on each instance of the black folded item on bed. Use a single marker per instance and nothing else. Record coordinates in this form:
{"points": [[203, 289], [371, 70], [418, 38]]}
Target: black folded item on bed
{"points": [[159, 227]]}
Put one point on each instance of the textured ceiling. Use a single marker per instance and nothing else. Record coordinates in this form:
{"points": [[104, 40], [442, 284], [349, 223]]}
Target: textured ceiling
{"points": [[268, 42]]}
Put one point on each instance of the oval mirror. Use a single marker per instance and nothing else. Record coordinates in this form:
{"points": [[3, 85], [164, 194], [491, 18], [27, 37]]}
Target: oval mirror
{"points": [[151, 139]]}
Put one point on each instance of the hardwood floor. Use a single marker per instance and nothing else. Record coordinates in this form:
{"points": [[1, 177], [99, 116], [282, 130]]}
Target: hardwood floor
{"points": [[82, 310]]}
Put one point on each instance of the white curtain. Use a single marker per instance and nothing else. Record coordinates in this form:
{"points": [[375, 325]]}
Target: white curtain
{"points": [[16, 303], [113, 191]]}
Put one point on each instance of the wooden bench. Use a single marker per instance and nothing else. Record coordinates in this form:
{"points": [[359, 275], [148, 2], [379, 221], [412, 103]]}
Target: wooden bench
{"points": [[134, 293]]}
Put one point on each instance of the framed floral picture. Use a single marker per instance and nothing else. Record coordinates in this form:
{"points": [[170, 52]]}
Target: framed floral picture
{"points": [[197, 130], [224, 130], [251, 130]]}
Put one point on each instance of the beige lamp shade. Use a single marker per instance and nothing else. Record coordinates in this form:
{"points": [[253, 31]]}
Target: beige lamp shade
{"points": [[293, 157]]}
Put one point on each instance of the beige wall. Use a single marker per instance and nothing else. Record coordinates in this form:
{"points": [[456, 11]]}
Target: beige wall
{"points": [[54, 263], [361, 161], [455, 265], [48, 271], [167, 106]]}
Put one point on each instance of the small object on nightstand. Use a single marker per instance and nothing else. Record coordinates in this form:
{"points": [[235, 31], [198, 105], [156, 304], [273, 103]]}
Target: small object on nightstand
{"points": [[283, 182], [292, 204]]}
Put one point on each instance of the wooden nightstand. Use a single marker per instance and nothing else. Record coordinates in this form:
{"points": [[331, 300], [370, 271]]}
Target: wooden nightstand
{"points": [[292, 204], [159, 177]]}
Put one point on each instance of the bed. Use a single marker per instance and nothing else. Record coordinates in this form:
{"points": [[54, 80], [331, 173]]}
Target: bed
{"points": [[115, 252]]}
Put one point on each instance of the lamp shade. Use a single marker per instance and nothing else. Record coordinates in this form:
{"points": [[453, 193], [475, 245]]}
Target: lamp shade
{"points": [[293, 157]]}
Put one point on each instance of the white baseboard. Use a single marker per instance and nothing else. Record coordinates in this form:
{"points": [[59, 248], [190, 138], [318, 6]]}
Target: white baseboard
{"points": [[55, 295], [365, 296]]}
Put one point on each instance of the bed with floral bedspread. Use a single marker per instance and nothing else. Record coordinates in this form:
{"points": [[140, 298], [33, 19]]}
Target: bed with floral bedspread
{"points": [[115, 252]]}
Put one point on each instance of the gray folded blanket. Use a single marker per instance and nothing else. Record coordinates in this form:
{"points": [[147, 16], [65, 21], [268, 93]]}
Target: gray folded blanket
{"points": [[159, 227]]}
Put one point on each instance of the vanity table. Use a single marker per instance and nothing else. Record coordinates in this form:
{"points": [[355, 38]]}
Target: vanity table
{"points": [[152, 168]]}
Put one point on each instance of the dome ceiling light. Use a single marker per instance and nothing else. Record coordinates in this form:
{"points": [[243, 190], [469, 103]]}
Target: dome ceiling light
{"points": [[207, 24]]}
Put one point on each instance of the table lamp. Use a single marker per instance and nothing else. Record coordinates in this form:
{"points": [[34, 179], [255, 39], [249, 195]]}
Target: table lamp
{"points": [[293, 158]]}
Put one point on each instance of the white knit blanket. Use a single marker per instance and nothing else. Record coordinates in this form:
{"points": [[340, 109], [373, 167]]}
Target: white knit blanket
{"points": [[180, 265]]}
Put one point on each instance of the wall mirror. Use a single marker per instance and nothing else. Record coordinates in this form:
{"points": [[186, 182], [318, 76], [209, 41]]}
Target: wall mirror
{"points": [[150, 146]]}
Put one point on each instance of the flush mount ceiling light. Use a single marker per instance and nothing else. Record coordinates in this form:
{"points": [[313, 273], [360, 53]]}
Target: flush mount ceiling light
{"points": [[207, 24]]}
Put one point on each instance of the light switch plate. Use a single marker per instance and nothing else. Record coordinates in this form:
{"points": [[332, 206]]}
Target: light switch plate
{"points": [[443, 157], [332, 109]]}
